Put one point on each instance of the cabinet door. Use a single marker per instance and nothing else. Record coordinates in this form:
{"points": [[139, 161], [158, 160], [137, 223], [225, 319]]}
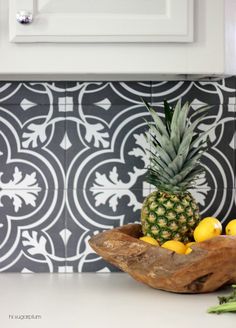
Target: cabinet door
{"points": [[103, 21]]}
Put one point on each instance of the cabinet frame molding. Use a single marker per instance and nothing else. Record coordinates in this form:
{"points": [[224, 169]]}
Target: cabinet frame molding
{"points": [[176, 25]]}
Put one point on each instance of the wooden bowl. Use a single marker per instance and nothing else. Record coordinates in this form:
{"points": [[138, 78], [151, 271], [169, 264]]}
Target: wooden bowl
{"points": [[210, 265]]}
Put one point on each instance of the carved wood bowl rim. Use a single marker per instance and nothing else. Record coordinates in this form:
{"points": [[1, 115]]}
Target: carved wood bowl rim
{"points": [[208, 267]]}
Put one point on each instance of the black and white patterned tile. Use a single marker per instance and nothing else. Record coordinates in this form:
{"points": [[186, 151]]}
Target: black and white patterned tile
{"points": [[106, 94], [31, 94], [219, 160], [106, 142], [219, 203], [32, 230], [73, 163], [210, 92]]}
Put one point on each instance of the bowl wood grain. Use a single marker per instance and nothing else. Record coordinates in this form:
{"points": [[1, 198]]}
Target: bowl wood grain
{"points": [[209, 266]]}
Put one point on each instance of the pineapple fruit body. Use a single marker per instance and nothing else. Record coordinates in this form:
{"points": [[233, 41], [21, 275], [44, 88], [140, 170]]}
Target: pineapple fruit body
{"points": [[167, 216]]}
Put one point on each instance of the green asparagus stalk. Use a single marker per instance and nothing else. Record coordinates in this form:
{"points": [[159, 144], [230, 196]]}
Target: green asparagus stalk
{"points": [[222, 308], [226, 303]]}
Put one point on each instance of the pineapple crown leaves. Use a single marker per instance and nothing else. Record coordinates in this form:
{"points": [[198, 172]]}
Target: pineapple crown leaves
{"points": [[174, 154]]}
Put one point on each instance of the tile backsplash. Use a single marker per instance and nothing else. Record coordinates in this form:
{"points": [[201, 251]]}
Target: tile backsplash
{"points": [[72, 164]]}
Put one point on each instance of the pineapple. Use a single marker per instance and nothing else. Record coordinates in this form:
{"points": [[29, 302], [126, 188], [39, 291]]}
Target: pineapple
{"points": [[171, 212]]}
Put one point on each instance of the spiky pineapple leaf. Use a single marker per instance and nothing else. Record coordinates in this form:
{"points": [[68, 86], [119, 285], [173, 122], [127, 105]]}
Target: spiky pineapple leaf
{"points": [[202, 147], [158, 122], [203, 109], [194, 174], [175, 164], [162, 153], [175, 133], [162, 140], [168, 115], [183, 118], [202, 136], [189, 166], [155, 159], [161, 177], [185, 144]]}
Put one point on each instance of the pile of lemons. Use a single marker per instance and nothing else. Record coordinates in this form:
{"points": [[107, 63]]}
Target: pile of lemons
{"points": [[208, 228]]}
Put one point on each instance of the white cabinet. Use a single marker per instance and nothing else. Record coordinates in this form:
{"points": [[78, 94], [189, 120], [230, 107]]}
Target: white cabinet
{"points": [[118, 39], [103, 21]]}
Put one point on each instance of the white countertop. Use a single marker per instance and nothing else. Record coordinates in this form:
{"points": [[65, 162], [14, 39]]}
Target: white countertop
{"points": [[91, 300]]}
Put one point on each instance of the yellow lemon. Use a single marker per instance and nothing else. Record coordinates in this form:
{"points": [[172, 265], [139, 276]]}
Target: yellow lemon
{"points": [[190, 244], [175, 245], [149, 240], [213, 220], [206, 230], [230, 229], [188, 250]]}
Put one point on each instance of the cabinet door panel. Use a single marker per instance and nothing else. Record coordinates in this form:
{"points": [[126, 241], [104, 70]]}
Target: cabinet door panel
{"points": [[103, 21]]}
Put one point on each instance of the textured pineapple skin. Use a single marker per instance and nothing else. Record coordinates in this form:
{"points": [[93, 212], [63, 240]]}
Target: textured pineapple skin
{"points": [[166, 216]]}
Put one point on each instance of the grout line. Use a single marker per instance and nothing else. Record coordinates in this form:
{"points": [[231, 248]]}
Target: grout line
{"points": [[66, 225]]}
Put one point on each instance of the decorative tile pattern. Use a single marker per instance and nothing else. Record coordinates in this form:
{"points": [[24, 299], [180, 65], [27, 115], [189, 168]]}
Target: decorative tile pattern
{"points": [[73, 163], [210, 92]]}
